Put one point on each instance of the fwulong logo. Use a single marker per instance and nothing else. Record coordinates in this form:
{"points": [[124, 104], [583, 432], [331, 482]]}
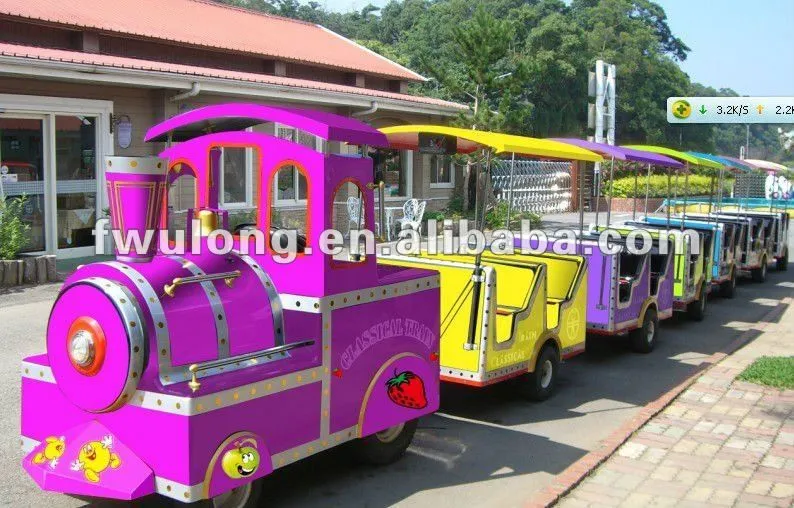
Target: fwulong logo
{"points": [[397, 327]]}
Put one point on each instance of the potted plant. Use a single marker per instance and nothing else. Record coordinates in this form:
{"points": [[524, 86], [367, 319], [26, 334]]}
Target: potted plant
{"points": [[13, 238]]}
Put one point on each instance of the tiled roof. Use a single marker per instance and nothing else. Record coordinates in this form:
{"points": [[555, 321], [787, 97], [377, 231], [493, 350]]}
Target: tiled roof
{"points": [[77, 57], [207, 24]]}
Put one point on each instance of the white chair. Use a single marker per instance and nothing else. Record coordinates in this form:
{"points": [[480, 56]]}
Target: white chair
{"points": [[413, 212], [353, 211], [354, 215]]}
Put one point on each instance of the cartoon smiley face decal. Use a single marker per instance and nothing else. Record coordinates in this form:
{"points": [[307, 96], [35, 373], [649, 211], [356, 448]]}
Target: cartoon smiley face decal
{"points": [[52, 451], [95, 457], [240, 462]]}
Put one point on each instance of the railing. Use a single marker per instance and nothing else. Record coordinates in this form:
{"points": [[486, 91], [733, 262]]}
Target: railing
{"points": [[537, 186]]}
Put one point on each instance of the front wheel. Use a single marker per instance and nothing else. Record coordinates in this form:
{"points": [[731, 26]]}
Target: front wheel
{"points": [[539, 384], [386, 446], [782, 262], [759, 274], [697, 309], [643, 339]]}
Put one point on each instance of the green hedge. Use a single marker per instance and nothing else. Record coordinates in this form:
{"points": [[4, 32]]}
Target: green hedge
{"points": [[699, 185]]}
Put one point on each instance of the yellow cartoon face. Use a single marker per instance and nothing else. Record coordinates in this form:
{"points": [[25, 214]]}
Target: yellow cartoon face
{"points": [[95, 457], [240, 462], [52, 451]]}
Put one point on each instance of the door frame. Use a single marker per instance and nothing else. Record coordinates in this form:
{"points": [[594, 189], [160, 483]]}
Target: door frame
{"points": [[48, 108]]}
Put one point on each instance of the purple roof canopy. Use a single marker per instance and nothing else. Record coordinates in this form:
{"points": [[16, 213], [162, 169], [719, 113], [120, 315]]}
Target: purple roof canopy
{"points": [[624, 154], [235, 117]]}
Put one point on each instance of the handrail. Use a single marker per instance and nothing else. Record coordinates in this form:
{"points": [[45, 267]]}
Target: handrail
{"points": [[196, 368], [228, 278]]}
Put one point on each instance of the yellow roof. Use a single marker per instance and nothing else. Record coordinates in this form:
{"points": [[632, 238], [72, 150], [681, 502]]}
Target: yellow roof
{"points": [[407, 137]]}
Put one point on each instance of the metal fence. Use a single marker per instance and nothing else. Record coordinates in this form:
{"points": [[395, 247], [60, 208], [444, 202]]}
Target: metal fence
{"points": [[750, 185], [538, 186]]}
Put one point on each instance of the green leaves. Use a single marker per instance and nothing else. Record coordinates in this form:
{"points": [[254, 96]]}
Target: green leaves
{"points": [[13, 230]]}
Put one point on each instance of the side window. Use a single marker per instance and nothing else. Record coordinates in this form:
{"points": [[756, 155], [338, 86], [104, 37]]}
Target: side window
{"points": [[441, 171], [181, 197], [236, 172], [290, 198], [348, 217]]}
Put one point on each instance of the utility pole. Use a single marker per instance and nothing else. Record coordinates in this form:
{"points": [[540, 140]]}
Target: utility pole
{"points": [[601, 115]]}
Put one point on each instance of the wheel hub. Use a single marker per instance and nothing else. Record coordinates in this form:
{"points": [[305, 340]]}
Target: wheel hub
{"points": [[235, 498], [650, 332], [546, 372], [390, 434]]}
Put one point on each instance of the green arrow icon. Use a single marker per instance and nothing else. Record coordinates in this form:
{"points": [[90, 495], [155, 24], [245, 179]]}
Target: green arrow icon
{"points": [[702, 109]]}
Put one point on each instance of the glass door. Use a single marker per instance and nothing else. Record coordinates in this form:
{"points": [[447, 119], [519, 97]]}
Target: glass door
{"points": [[23, 172], [75, 181]]}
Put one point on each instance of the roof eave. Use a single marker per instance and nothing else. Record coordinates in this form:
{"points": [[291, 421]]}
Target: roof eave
{"points": [[80, 72]]}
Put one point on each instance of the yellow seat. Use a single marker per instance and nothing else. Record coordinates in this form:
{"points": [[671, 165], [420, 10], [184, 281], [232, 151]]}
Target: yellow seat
{"points": [[553, 312]]}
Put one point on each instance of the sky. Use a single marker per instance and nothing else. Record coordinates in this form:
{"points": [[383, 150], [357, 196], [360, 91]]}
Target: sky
{"points": [[747, 45]]}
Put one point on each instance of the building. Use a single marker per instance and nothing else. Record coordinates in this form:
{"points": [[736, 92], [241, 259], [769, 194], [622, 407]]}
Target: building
{"points": [[82, 79]]}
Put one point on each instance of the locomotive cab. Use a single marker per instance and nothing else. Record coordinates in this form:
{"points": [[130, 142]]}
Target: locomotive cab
{"points": [[193, 367]]}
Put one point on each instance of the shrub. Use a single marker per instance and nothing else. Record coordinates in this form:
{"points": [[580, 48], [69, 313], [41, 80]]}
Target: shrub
{"points": [[699, 185], [13, 230], [496, 217]]}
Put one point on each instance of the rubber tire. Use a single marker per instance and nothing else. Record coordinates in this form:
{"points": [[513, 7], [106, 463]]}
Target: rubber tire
{"points": [[728, 288], [759, 274], [371, 450], [639, 336], [530, 386], [697, 309], [163, 502], [782, 263]]}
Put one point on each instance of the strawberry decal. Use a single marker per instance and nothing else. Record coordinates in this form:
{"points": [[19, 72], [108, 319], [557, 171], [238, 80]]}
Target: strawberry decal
{"points": [[406, 389]]}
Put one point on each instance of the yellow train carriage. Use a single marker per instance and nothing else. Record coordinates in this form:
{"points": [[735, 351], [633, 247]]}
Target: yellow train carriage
{"points": [[531, 316]]}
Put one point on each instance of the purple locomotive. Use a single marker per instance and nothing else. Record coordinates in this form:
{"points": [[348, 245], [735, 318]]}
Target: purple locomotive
{"points": [[194, 375]]}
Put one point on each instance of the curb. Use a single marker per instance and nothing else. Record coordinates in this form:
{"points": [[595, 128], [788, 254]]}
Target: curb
{"points": [[574, 474]]}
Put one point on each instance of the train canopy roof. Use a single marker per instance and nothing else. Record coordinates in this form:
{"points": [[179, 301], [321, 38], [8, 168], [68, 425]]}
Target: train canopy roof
{"points": [[236, 117], [407, 137], [729, 162], [623, 153], [766, 165], [681, 156]]}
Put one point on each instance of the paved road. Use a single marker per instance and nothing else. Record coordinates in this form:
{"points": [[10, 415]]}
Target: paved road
{"points": [[484, 448]]}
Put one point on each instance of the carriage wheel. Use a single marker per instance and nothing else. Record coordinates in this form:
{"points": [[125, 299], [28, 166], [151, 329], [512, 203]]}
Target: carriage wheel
{"points": [[643, 339], [759, 274], [386, 446], [697, 309], [244, 496], [539, 384], [782, 262], [728, 288]]}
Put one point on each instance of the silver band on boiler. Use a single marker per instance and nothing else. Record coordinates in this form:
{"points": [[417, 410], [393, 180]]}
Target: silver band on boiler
{"points": [[130, 313], [168, 374]]}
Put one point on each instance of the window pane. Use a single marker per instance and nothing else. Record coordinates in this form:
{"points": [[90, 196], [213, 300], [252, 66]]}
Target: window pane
{"points": [[234, 175], [390, 169], [440, 169], [75, 145], [287, 133], [302, 185], [285, 183], [22, 155]]}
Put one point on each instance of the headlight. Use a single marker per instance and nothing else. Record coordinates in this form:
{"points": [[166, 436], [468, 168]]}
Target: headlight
{"points": [[82, 348], [86, 346]]}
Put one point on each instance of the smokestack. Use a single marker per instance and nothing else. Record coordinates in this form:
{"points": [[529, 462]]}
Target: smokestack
{"points": [[136, 188]]}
